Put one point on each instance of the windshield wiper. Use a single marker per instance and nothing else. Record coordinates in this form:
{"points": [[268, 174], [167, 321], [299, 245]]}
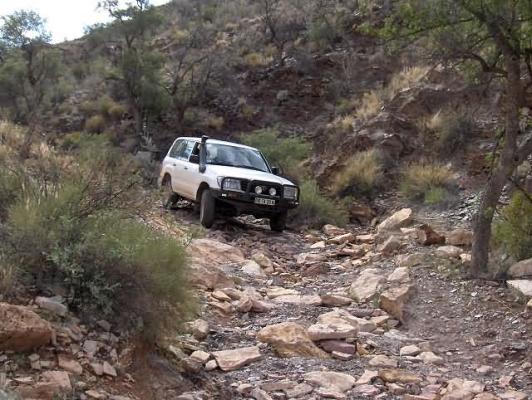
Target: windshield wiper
{"points": [[249, 167]]}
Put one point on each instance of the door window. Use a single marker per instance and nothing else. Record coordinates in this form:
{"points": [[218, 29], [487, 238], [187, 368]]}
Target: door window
{"points": [[177, 149], [187, 151]]}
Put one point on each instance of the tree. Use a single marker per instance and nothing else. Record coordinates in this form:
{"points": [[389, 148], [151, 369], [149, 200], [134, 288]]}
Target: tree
{"points": [[139, 65], [29, 67], [496, 37], [283, 22], [191, 68]]}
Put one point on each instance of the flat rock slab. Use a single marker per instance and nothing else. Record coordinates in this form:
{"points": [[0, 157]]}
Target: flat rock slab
{"points": [[290, 340], [522, 286], [230, 360], [300, 300], [334, 381], [331, 331]]}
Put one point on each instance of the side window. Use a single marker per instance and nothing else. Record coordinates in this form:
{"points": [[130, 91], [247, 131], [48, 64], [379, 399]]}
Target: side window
{"points": [[177, 149], [187, 151]]}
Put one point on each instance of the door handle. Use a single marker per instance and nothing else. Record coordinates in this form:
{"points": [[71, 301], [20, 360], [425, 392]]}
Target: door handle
{"points": [[174, 165], [185, 168]]}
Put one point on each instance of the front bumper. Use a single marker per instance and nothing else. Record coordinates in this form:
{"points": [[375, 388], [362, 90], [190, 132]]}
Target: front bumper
{"points": [[244, 203]]}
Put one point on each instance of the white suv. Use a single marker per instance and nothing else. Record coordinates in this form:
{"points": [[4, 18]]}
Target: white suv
{"points": [[226, 178]]}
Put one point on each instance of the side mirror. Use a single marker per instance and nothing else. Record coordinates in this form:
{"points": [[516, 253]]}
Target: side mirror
{"points": [[194, 159], [275, 170]]}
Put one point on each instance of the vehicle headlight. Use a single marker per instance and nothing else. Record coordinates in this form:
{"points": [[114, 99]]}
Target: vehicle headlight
{"points": [[232, 184], [290, 192], [272, 192], [258, 189]]}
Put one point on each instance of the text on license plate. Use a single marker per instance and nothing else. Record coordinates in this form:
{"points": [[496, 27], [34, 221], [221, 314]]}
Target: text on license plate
{"points": [[265, 202]]}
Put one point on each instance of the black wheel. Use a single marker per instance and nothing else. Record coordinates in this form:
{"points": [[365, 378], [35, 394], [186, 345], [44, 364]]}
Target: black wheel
{"points": [[207, 209], [170, 197], [278, 222]]}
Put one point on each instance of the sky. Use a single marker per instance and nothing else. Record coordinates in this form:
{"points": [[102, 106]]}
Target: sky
{"points": [[65, 19]]}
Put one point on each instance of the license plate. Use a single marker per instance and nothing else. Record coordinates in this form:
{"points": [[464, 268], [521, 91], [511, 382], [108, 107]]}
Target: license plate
{"points": [[264, 202]]}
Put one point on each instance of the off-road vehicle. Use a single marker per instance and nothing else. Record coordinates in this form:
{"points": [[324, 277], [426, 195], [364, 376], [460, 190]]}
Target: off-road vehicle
{"points": [[224, 178]]}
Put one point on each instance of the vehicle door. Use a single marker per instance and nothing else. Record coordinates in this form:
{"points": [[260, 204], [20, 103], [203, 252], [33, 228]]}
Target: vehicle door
{"points": [[170, 164], [186, 171]]}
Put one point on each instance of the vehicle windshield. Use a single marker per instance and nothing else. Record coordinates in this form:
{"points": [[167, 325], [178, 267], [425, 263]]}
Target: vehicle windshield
{"points": [[233, 156]]}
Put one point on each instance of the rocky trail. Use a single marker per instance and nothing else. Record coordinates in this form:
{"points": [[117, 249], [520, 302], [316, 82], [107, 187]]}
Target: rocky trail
{"points": [[380, 312], [352, 314]]}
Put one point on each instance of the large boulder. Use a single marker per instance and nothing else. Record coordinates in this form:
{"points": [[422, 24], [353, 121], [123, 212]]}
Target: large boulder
{"points": [[290, 340], [366, 285], [460, 237], [398, 220], [208, 257], [522, 269], [213, 252], [522, 287], [21, 329]]}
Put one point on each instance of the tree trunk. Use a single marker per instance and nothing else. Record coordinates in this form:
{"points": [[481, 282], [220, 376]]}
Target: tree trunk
{"points": [[508, 161]]}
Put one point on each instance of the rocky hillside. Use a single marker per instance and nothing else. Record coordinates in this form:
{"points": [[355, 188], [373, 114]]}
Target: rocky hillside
{"points": [[344, 314]]}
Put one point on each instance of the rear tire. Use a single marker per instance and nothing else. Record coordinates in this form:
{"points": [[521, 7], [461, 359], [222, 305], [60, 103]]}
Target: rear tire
{"points": [[207, 209], [278, 222], [170, 198]]}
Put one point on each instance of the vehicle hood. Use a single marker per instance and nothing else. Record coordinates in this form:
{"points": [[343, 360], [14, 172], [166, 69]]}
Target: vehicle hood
{"points": [[249, 174]]}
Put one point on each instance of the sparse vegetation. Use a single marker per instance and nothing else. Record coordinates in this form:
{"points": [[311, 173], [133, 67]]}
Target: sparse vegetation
{"points": [[95, 124], [362, 175], [454, 131], [427, 182], [317, 209], [286, 153], [513, 229], [70, 222]]}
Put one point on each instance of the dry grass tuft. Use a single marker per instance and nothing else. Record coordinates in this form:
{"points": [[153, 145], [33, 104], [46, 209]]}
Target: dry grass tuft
{"points": [[426, 181], [361, 175]]}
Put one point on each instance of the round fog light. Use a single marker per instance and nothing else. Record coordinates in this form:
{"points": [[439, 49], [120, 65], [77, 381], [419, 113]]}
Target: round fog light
{"points": [[258, 189], [272, 191]]}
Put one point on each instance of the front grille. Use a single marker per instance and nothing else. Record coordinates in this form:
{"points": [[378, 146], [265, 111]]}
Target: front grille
{"points": [[244, 185]]}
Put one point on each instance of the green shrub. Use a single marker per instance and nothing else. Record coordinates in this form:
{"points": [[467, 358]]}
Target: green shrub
{"points": [[65, 230], [95, 124], [513, 230], [286, 153], [316, 210], [361, 175], [427, 182], [111, 109], [454, 131]]}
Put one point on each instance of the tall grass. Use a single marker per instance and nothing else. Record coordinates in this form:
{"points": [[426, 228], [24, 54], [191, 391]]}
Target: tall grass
{"points": [[427, 182], [361, 175]]}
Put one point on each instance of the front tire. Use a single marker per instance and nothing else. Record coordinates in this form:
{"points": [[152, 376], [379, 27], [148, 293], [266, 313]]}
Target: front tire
{"points": [[278, 222], [170, 198], [207, 209]]}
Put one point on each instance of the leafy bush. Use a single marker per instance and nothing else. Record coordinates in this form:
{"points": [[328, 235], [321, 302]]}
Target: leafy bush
{"points": [[454, 132], [65, 230], [287, 153], [254, 60], [361, 175], [316, 210], [513, 230], [95, 124], [427, 182], [111, 109]]}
